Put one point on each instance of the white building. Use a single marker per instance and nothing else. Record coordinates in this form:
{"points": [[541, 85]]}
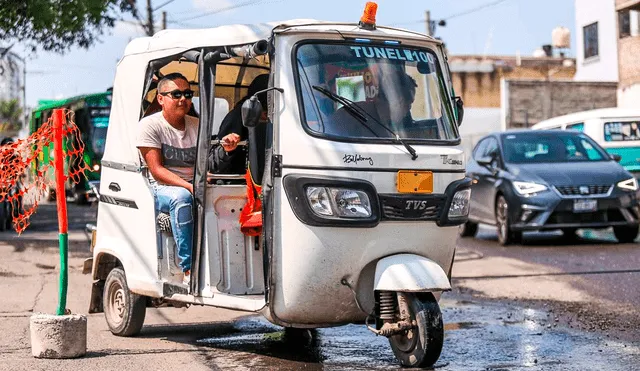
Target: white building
{"points": [[597, 41]]}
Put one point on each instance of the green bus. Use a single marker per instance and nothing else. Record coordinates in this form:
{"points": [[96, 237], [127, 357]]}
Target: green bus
{"points": [[92, 118]]}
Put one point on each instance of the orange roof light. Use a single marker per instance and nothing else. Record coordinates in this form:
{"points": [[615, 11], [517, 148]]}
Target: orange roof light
{"points": [[368, 20]]}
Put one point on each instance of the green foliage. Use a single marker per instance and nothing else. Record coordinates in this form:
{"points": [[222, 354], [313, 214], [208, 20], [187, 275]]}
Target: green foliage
{"points": [[10, 115], [58, 25]]}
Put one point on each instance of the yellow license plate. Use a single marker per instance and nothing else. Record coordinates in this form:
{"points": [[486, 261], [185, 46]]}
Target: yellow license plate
{"points": [[413, 181]]}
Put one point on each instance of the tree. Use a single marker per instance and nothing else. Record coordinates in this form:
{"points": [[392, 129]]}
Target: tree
{"points": [[10, 115], [58, 25]]}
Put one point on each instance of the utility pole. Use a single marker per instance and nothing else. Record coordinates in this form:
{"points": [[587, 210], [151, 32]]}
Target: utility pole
{"points": [[150, 27], [427, 15], [164, 20]]}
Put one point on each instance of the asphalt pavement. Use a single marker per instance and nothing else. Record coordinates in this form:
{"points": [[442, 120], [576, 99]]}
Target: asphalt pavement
{"points": [[547, 304]]}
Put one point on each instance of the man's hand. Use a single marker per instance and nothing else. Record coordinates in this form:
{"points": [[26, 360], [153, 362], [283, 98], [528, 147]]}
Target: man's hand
{"points": [[230, 142]]}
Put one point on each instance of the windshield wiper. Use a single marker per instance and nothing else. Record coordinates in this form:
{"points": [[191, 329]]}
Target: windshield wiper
{"points": [[359, 113], [351, 107]]}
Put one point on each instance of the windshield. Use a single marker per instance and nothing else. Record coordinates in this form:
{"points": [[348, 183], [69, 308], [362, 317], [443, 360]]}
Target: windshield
{"points": [[99, 125], [357, 91], [532, 148]]}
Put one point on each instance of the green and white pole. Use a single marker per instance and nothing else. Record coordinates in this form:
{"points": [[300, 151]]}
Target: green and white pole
{"points": [[61, 200]]}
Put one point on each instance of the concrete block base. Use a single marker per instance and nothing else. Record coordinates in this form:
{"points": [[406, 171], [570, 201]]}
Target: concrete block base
{"points": [[58, 336]]}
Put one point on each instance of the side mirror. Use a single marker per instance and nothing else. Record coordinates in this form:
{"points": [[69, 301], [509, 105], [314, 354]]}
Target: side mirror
{"points": [[485, 161], [616, 157], [459, 109], [251, 112], [252, 108]]}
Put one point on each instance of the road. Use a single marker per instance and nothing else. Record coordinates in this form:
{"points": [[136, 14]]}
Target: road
{"points": [[547, 304]]}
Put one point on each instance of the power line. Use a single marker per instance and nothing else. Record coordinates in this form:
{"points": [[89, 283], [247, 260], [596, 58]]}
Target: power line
{"points": [[466, 12], [473, 10], [163, 4], [246, 3]]}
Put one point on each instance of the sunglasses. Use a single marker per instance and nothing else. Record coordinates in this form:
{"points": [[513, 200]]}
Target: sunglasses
{"points": [[177, 94]]}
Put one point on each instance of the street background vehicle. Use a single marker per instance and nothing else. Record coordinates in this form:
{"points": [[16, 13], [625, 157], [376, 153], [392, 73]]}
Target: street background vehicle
{"points": [[91, 116], [617, 130], [541, 180]]}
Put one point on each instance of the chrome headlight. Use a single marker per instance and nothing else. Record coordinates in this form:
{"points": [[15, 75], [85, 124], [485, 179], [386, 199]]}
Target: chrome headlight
{"points": [[460, 204], [528, 188], [339, 202], [629, 184]]}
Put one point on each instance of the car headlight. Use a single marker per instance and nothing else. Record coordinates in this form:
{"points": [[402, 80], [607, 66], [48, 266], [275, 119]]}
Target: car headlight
{"points": [[629, 184], [460, 204], [340, 202], [528, 188]]}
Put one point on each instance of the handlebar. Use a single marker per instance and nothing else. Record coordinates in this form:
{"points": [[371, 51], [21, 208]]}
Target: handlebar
{"points": [[216, 142]]}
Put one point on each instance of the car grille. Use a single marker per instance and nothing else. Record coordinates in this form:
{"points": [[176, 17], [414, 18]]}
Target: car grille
{"points": [[604, 216], [599, 189], [411, 207]]}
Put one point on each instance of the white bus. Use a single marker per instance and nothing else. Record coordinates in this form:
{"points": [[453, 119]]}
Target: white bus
{"points": [[617, 130]]}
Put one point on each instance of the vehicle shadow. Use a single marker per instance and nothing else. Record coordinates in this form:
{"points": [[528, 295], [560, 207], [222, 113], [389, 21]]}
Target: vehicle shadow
{"points": [[553, 239], [250, 335]]}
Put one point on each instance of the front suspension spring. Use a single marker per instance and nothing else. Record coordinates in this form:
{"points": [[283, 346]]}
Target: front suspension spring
{"points": [[388, 305]]}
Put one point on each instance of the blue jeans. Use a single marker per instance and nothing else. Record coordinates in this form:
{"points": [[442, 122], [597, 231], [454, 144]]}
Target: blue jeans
{"points": [[178, 201]]}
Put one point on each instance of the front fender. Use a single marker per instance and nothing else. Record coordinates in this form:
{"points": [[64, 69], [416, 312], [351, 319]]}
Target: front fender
{"points": [[410, 273]]}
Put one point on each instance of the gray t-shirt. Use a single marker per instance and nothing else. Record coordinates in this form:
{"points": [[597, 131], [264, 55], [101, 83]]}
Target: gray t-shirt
{"points": [[178, 148]]}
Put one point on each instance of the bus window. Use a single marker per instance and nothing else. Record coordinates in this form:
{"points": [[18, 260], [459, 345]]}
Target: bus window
{"points": [[577, 126], [621, 131]]}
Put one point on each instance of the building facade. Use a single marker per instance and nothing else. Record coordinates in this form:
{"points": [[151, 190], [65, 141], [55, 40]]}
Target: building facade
{"points": [[596, 41]]}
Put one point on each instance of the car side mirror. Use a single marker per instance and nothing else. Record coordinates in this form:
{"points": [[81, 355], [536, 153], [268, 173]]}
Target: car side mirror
{"points": [[251, 112], [459, 109], [616, 157], [485, 161]]}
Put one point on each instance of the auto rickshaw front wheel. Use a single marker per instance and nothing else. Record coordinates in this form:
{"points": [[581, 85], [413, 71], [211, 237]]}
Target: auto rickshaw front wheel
{"points": [[421, 345], [124, 310]]}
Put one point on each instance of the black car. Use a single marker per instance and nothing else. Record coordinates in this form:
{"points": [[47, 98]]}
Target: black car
{"points": [[543, 180]]}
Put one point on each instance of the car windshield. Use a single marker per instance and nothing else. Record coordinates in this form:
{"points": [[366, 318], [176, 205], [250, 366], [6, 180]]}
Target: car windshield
{"points": [[99, 125], [524, 148], [368, 92]]}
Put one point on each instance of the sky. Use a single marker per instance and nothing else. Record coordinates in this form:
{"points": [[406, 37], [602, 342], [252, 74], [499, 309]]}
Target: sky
{"points": [[492, 27]]}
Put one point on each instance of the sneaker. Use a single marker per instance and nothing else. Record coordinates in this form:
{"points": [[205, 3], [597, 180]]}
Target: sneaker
{"points": [[186, 278]]}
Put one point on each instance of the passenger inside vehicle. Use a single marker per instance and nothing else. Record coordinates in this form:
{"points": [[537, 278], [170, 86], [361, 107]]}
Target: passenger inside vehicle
{"points": [[228, 158]]}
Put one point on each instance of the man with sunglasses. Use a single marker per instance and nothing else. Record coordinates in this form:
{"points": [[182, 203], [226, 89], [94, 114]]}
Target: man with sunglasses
{"points": [[167, 142]]}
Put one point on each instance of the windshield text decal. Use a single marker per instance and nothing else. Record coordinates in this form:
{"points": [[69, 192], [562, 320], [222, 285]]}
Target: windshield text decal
{"points": [[392, 53], [355, 158]]}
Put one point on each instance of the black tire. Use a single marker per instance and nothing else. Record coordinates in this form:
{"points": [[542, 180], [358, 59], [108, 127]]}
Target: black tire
{"points": [[298, 337], [5, 217], [506, 236], [421, 349], [468, 229], [569, 234], [626, 234], [123, 310]]}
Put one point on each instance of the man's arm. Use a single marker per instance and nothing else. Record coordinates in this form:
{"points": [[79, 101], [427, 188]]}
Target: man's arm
{"points": [[153, 158]]}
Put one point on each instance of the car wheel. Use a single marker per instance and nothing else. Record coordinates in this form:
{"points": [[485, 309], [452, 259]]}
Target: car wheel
{"points": [[569, 234], [626, 234], [123, 310], [505, 235], [468, 229]]}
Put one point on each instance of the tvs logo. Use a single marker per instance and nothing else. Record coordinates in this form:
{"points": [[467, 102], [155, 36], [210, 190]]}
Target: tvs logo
{"points": [[415, 205], [584, 190]]}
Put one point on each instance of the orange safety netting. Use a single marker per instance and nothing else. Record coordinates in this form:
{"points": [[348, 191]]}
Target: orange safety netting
{"points": [[27, 169]]}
